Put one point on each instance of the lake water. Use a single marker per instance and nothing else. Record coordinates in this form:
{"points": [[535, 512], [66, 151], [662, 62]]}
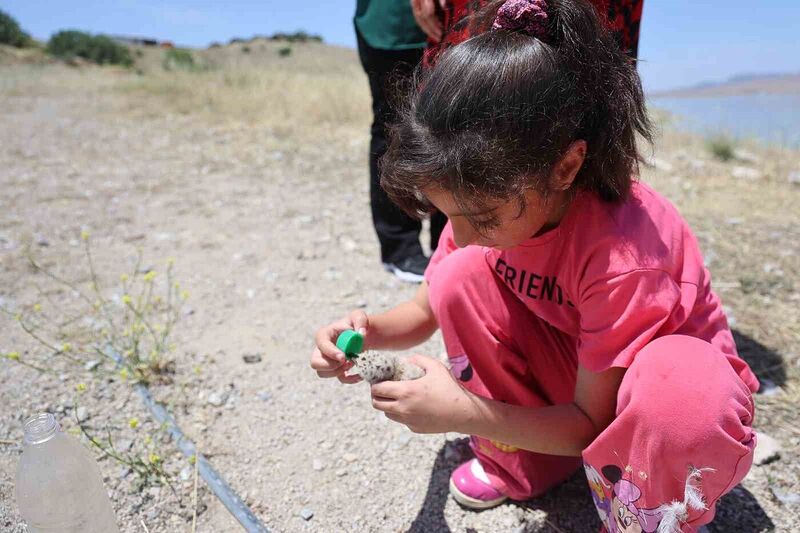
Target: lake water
{"points": [[770, 118]]}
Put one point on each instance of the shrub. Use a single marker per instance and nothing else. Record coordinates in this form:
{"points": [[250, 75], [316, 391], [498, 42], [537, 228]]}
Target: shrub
{"points": [[178, 59], [286, 51], [722, 148], [98, 49], [11, 33]]}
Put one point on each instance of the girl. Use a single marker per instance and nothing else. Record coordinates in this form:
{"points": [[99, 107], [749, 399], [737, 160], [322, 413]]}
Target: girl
{"points": [[573, 301]]}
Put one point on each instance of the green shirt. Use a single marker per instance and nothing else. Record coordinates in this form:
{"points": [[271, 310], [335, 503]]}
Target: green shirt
{"points": [[388, 24]]}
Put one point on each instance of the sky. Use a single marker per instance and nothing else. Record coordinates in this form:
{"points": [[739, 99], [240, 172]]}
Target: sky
{"points": [[682, 43]]}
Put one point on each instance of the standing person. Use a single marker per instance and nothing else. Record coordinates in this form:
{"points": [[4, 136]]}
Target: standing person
{"points": [[390, 45], [573, 300]]}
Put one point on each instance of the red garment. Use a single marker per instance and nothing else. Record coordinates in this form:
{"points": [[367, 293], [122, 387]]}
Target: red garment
{"points": [[623, 18], [681, 406], [613, 277]]}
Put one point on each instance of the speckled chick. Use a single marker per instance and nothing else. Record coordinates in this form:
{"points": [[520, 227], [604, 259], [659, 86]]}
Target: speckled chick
{"points": [[375, 367]]}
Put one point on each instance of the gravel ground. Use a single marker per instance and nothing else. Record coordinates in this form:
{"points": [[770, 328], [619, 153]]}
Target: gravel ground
{"points": [[271, 234]]}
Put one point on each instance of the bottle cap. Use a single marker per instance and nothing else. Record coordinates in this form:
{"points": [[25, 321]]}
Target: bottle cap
{"points": [[351, 343]]}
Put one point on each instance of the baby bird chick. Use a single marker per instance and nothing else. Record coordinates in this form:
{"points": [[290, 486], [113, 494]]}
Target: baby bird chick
{"points": [[375, 367]]}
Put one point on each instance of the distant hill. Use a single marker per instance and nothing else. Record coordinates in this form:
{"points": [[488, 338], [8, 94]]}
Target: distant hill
{"points": [[741, 84]]}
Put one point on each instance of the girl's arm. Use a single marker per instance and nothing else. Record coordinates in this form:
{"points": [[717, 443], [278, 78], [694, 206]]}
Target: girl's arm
{"points": [[565, 429], [436, 403], [404, 326]]}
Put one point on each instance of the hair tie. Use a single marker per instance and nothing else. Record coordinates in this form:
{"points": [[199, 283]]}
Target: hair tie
{"points": [[528, 16]]}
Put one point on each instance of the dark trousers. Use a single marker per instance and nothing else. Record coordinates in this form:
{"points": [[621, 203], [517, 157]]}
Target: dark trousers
{"points": [[397, 232]]}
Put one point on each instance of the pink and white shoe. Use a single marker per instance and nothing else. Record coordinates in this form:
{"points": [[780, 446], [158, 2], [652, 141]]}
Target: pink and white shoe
{"points": [[470, 486]]}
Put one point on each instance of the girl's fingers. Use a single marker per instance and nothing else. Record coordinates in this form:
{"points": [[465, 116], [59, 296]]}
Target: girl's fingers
{"points": [[349, 379], [326, 342], [383, 404]]}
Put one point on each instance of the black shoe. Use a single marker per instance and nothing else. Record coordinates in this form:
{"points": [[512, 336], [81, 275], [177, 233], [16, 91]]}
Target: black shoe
{"points": [[409, 269]]}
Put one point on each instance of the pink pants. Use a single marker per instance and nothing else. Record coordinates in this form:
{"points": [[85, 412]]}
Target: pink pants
{"points": [[682, 437]]}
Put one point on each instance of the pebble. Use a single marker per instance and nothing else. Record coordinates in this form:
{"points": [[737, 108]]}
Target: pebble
{"points": [[350, 457], [82, 413], [746, 173], [317, 465], [794, 177], [264, 396], [306, 513], [91, 365], [769, 388], [186, 473], [745, 156], [786, 498], [218, 399], [767, 450], [252, 358]]}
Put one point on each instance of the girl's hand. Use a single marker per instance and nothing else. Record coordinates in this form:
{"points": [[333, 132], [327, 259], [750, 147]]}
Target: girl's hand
{"points": [[434, 403], [327, 359]]}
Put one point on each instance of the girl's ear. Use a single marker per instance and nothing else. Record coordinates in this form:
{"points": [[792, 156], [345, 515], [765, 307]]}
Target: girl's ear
{"points": [[567, 168]]}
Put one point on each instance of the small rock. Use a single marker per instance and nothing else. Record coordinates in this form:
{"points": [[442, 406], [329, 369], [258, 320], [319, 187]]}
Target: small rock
{"points": [[41, 240], [332, 274], [82, 413], [186, 473], [659, 164], [769, 388], [745, 156], [252, 358], [124, 472], [153, 513], [154, 492], [349, 457], [746, 173], [217, 399], [264, 396], [91, 365], [767, 450], [306, 513], [786, 498], [317, 465], [794, 177]]}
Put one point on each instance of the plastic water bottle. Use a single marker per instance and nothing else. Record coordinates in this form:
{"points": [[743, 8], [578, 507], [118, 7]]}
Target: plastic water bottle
{"points": [[59, 487]]}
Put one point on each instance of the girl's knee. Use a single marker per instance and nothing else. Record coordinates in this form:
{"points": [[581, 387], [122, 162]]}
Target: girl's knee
{"points": [[684, 385]]}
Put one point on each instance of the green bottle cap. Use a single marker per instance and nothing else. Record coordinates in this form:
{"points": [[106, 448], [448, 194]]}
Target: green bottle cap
{"points": [[351, 343]]}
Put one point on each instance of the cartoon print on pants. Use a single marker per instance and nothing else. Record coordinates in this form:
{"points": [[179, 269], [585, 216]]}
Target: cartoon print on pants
{"points": [[625, 515], [460, 367], [598, 487]]}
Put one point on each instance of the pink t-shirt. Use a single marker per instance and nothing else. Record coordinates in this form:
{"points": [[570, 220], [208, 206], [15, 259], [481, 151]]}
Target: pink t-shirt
{"points": [[614, 277]]}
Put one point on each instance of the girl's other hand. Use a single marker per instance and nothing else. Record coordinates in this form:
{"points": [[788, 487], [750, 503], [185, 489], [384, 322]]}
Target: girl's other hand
{"points": [[327, 359], [434, 403]]}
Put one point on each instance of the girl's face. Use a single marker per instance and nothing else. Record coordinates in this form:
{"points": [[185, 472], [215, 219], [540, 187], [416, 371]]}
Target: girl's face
{"points": [[511, 227]]}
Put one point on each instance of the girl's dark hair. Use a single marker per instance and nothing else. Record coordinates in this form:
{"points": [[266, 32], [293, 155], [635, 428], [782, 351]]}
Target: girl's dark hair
{"points": [[497, 112]]}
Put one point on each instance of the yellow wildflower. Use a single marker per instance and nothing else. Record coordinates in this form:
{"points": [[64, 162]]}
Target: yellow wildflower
{"points": [[85, 235], [185, 295], [170, 261], [74, 431], [147, 439], [154, 458], [193, 459], [80, 387], [123, 373], [133, 423], [66, 347], [150, 276], [123, 278], [37, 307], [14, 356], [126, 299]]}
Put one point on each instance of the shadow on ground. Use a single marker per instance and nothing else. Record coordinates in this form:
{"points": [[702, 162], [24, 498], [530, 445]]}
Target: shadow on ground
{"points": [[765, 362]]}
